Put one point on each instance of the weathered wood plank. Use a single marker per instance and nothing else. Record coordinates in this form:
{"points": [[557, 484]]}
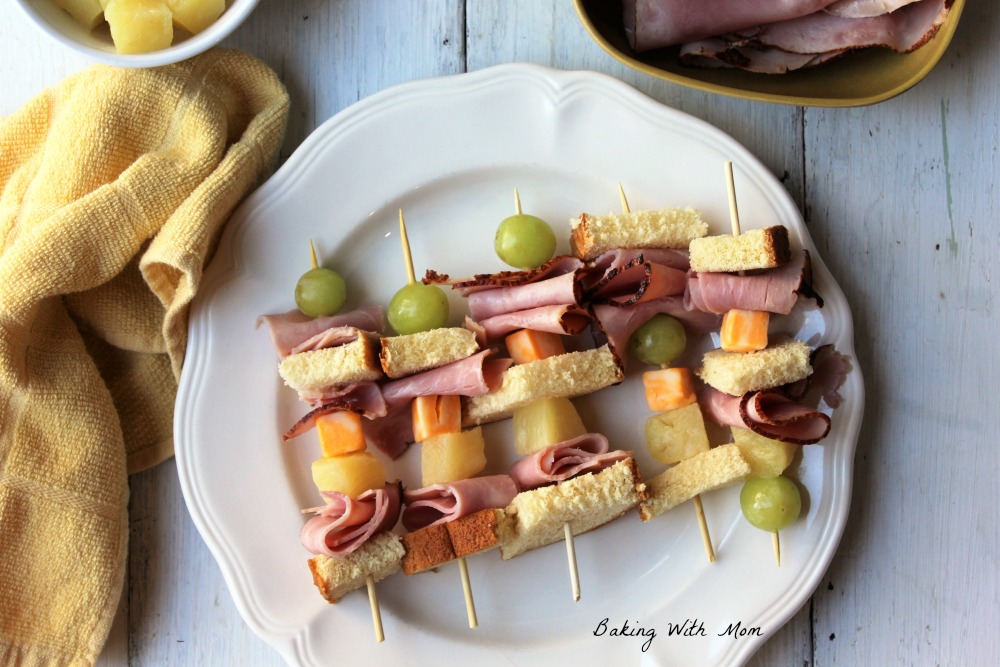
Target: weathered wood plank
{"points": [[903, 206]]}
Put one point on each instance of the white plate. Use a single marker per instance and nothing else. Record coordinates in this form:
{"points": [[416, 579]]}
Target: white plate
{"points": [[449, 152]]}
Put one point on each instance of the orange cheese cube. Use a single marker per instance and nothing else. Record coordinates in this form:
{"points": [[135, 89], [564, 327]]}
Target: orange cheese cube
{"points": [[744, 330], [668, 388], [529, 345], [340, 433], [436, 415]]}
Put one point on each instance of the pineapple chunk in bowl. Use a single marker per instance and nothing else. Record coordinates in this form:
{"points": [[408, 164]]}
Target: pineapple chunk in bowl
{"points": [[140, 25]]}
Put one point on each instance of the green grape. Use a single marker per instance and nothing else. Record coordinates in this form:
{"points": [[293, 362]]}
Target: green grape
{"points": [[659, 341], [418, 307], [320, 292], [524, 241], [770, 503]]}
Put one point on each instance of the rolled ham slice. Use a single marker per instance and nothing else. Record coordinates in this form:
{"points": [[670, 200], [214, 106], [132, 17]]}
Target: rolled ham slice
{"points": [[344, 524], [768, 413], [652, 24], [566, 319], [637, 281], [774, 291], [489, 303], [473, 376], [564, 460], [440, 503], [292, 329]]}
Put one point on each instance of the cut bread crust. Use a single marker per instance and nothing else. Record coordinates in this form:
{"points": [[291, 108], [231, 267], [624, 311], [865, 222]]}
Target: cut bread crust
{"points": [[412, 353], [737, 373], [753, 249], [593, 235], [317, 370], [536, 518], [380, 557], [704, 472], [560, 376]]}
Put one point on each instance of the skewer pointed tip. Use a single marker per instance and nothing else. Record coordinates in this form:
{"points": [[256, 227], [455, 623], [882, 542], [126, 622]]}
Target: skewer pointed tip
{"points": [[376, 613], [407, 258], [312, 254], [517, 202], [621, 195], [574, 573], [706, 539], [470, 604], [777, 547]]}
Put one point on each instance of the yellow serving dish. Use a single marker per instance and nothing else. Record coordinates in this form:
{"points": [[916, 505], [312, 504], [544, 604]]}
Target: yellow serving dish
{"points": [[857, 79]]}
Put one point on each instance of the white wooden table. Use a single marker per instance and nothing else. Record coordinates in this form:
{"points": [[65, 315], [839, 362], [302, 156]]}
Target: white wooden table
{"points": [[900, 200]]}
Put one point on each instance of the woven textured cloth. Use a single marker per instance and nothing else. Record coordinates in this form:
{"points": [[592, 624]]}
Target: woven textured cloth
{"points": [[114, 188]]}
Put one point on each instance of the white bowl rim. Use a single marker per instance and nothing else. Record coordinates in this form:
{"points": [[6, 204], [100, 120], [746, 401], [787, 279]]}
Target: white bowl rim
{"points": [[233, 17]]}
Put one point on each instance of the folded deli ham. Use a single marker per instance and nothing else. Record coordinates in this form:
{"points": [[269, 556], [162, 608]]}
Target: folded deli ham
{"points": [[564, 319], [810, 40], [344, 524], [618, 324], [652, 24], [501, 300], [559, 462], [557, 266], [292, 329], [774, 291], [365, 398], [769, 413], [473, 376], [440, 503]]}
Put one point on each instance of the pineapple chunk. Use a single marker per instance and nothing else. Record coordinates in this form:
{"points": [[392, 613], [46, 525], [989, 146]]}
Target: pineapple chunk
{"points": [[767, 457], [88, 13], [545, 422], [676, 435], [450, 457], [139, 26], [350, 474], [196, 15], [340, 433]]}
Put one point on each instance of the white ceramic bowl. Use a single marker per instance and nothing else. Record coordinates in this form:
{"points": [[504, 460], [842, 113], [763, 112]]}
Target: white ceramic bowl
{"points": [[97, 44]]}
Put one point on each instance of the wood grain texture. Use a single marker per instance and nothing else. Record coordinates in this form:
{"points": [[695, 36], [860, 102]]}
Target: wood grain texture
{"points": [[900, 200]]}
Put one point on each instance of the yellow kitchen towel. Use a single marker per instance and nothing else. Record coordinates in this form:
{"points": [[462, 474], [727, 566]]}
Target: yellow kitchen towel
{"points": [[114, 187]]}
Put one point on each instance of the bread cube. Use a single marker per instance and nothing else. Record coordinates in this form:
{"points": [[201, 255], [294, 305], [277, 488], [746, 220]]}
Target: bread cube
{"points": [[139, 26], [450, 457], [699, 474], [196, 15], [544, 423], [676, 435], [767, 457]]}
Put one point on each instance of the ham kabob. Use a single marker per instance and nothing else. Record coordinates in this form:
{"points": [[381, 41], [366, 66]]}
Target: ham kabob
{"points": [[531, 310], [751, 376], [330, 360], [450, 457]]}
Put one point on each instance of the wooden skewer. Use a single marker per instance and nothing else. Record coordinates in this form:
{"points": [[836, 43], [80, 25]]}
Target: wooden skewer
{"points": [[312, 255], [734, 213], [376, 613], [470, 604], [699, 509], [777, 547], [574, 574], [517, 202]]}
